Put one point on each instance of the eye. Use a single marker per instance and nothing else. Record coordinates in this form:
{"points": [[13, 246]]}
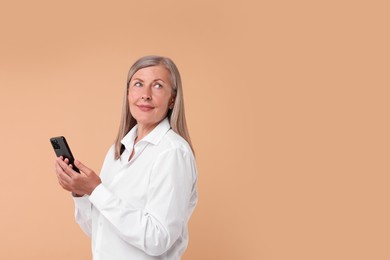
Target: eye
{"points": [[158, 85], [138, 84]]}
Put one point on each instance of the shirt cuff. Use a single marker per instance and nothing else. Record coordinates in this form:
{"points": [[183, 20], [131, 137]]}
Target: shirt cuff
{"points": [[99, 196], [82, 202]]}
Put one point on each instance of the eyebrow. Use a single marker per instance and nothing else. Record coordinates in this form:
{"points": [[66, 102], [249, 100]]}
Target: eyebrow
{"points": [[152, 81], [137, 79]]}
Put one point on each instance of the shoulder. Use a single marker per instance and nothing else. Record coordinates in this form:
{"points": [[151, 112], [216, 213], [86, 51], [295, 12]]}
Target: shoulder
{"points": [[174, 142], [111, 153], [172, 145], [174, 155]]}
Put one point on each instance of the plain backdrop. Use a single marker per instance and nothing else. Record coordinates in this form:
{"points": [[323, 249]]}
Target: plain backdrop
{"points": [[287, 104]]}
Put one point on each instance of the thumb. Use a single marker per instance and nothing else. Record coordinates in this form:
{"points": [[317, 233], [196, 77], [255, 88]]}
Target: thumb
{"points": [[82, 167]]}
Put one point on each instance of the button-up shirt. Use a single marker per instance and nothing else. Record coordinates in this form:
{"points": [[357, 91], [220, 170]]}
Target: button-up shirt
{"points": [[142, 207]]}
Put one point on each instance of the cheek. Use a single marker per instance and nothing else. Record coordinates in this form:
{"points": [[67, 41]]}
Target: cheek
{"points": [[131, 97], [163, 102]]}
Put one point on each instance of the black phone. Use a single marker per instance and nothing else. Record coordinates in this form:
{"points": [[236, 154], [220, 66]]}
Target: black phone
{"points": [[61, 148]]}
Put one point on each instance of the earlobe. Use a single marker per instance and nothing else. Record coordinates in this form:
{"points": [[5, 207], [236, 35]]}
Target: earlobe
{"points": [[172, 103]]}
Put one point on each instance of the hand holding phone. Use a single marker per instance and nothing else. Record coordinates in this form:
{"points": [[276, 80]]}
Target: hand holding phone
{"points": [[61, 148]]}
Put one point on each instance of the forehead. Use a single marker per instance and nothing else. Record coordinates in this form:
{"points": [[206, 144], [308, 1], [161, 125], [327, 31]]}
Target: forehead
{"points": [[153, 73]]}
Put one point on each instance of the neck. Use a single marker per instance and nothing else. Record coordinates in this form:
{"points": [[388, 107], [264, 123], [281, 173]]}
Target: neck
{"points": [[143, 130]]}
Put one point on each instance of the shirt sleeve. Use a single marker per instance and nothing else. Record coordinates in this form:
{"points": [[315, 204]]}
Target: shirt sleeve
{"points": [[83, 214], [83, 206], [156, 227]]}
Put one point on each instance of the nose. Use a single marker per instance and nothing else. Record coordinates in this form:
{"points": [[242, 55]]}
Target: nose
{"points": [[146, 95]]}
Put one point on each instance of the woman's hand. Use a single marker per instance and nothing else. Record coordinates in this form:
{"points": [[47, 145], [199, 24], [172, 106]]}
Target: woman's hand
{"points": [[79, 183]]}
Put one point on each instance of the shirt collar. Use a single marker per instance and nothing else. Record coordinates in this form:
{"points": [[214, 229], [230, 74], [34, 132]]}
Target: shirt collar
{"points": [[153, 137]]}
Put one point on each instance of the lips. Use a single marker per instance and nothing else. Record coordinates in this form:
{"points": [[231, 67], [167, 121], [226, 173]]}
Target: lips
{"points": [[145, 108]]}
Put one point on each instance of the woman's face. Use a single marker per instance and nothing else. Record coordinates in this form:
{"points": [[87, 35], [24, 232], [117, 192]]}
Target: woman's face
{"points": [[150, 95]]}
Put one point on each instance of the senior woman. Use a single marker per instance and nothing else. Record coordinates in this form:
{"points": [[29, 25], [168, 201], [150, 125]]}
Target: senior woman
{"points": [[140, 205]]}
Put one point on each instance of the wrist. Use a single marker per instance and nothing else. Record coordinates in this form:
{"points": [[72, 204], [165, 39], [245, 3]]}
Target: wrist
{"points": [[95, 186], [76, 195]]}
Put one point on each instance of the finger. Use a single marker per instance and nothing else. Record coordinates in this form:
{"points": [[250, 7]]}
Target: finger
{"points": [[67, 169], [64, 185], [66, 160], [82, 167], [61, 175], [58, 168], [62, 162], [70, 172], [61, 166], [56, 163]]}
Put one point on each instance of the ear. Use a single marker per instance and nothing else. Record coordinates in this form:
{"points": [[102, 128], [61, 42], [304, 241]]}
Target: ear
{"points": [[172, 103]]}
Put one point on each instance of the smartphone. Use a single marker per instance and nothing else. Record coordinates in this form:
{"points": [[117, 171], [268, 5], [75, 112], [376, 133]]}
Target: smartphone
{"points": [[61, 148]]}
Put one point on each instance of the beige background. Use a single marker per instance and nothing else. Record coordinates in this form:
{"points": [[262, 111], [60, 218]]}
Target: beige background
{"points": [[287, 104]]}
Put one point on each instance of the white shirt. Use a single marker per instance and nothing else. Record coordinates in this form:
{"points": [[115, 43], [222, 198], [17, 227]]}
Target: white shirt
{"points": [[141, 209]]}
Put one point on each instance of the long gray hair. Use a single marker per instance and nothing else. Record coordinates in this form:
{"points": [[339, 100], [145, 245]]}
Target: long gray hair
{"points": [[176, 115]]}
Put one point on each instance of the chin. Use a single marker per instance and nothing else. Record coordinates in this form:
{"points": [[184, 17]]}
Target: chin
{"points": [[144, 121]]}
